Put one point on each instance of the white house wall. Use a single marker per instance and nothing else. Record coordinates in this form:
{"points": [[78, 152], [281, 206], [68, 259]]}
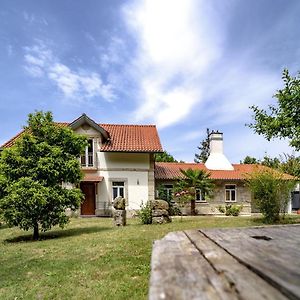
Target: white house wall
{"points": [[133, 169]]}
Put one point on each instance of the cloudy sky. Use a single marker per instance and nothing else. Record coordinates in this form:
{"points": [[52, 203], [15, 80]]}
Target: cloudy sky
{"points": [[183, 65]]}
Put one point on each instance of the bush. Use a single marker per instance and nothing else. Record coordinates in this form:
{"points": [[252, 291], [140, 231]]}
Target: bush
{"points": [[145, 213], [271, 193], [222, 209], [230, 210], [174, 209]]}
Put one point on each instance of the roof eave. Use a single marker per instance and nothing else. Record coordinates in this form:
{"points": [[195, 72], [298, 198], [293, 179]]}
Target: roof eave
{"points": [[85, 119]]}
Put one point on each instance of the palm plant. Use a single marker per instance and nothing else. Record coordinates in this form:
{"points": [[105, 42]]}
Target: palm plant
{"points": [[193, 180]]}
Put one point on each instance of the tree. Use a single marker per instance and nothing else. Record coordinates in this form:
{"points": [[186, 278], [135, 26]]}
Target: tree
{"points": [[33, 171], [164, 157], [248, 160], [185, 189], [204, 149], [271, 193], [290, 164], [282, 120]]}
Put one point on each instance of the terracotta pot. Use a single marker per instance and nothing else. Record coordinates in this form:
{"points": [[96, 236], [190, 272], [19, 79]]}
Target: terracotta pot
{"points": [[298, 212]]}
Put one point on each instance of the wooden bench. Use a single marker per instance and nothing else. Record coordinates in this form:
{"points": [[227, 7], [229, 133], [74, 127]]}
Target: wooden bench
{"points": [[244, 263]]}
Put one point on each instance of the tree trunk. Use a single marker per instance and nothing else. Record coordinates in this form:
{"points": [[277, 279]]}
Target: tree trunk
{"points": [[193, 208], [36, 232]]}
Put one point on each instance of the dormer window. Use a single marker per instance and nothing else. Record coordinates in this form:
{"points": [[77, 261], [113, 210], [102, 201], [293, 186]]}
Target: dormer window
{"points": [[87, 159]]}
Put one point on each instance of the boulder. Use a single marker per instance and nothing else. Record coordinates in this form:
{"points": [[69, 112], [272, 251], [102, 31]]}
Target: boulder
{"points": [[160, 212], [161, 220], [119, 203], [119, 217], [159, 204]]}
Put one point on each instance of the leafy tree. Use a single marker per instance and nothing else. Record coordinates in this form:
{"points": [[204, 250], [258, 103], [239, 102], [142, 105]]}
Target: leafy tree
{"points": [[204, 149], [282, 120], [270, 162], [290, 164], [248, 160], [164, 157], [271, 193], [33, 171], [185, 189]]}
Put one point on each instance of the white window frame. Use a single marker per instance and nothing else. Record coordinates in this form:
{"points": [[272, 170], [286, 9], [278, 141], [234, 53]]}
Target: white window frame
{"points": [[169, 191], [201, 199], [86, 155], [118, 187], [230, 195]]}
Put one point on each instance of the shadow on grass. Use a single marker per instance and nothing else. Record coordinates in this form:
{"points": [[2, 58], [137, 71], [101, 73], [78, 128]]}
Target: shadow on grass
{"points": [[57, 234]]}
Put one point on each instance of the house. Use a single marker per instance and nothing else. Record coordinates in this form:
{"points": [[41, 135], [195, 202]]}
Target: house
{"points": [[229, 180], [119, 161]]}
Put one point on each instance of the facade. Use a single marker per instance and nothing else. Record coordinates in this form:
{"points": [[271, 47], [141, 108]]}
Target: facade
{"points": [[118, 161], [230, 187], [229, 180]]}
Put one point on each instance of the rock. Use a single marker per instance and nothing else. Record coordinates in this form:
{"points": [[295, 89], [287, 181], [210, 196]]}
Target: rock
{"points": [[159, 204], [161, 220], [119, 217], [119, 203], [160, 212]]}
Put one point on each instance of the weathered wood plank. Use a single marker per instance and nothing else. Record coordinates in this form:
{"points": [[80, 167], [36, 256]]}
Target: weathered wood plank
{"points": [[276, 260], [179, 271], [247, 284]]}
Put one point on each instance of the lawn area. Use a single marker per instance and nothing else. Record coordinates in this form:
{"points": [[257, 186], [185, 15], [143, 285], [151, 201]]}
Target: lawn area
{"points": [[90, 259]]}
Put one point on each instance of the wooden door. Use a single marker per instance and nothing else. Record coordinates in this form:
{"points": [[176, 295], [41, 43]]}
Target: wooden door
{"points": [[88, 206]]}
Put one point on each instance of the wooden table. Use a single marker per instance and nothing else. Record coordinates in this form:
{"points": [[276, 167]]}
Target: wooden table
{"points": [[244, 263]]}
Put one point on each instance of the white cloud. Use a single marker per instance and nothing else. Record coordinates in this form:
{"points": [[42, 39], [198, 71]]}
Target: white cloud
{"points": [[181, 64], [174, 49], [79, 85]]}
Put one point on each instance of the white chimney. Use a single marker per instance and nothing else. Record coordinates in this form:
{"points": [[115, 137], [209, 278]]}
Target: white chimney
{"points": [[216, 159]]}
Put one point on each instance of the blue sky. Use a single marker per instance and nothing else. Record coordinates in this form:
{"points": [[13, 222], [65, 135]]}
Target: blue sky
{"points": [[183, 65]]}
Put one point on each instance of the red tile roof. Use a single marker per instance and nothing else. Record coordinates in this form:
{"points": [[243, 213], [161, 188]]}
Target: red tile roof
{"points": [[132, 138], [165, 171], [123, 138]]}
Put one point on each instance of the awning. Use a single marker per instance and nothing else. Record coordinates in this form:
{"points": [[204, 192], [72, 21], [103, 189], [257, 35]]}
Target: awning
{"points": [[92, 178]]}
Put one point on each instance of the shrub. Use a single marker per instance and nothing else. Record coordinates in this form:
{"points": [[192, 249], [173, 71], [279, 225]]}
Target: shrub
{"points": [[145, 213], [221, 209], [230, 210], [174, 209], [271, 193]]}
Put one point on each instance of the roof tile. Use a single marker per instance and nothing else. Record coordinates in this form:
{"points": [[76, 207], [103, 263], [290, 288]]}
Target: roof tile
{"points": [[123, 138], [165, 170]]}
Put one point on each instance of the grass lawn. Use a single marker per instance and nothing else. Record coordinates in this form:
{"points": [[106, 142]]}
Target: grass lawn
{"points": [[90, 259]]}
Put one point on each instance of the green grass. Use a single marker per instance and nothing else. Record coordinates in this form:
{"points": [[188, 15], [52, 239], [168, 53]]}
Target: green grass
{"points": [[90, 259]]}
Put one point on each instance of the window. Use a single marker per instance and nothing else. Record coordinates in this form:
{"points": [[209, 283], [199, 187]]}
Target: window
{"points": [[168, 188], [230, 193], [87, 159], [118, 189], [199, 197]]}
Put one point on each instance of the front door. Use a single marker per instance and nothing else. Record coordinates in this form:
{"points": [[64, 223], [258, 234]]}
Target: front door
{"points": [[88, 206]]}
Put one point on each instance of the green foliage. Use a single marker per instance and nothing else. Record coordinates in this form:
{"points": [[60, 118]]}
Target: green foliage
{"points": [[271, 193], [145, 213], [222, 209], [290, 164], [162, 193], [204, 149], [33, 170], [282, 120], [164, 157], [230, 209], [174, 210], [185, 189], [286, 163], [248, 160], [233, 210]]}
